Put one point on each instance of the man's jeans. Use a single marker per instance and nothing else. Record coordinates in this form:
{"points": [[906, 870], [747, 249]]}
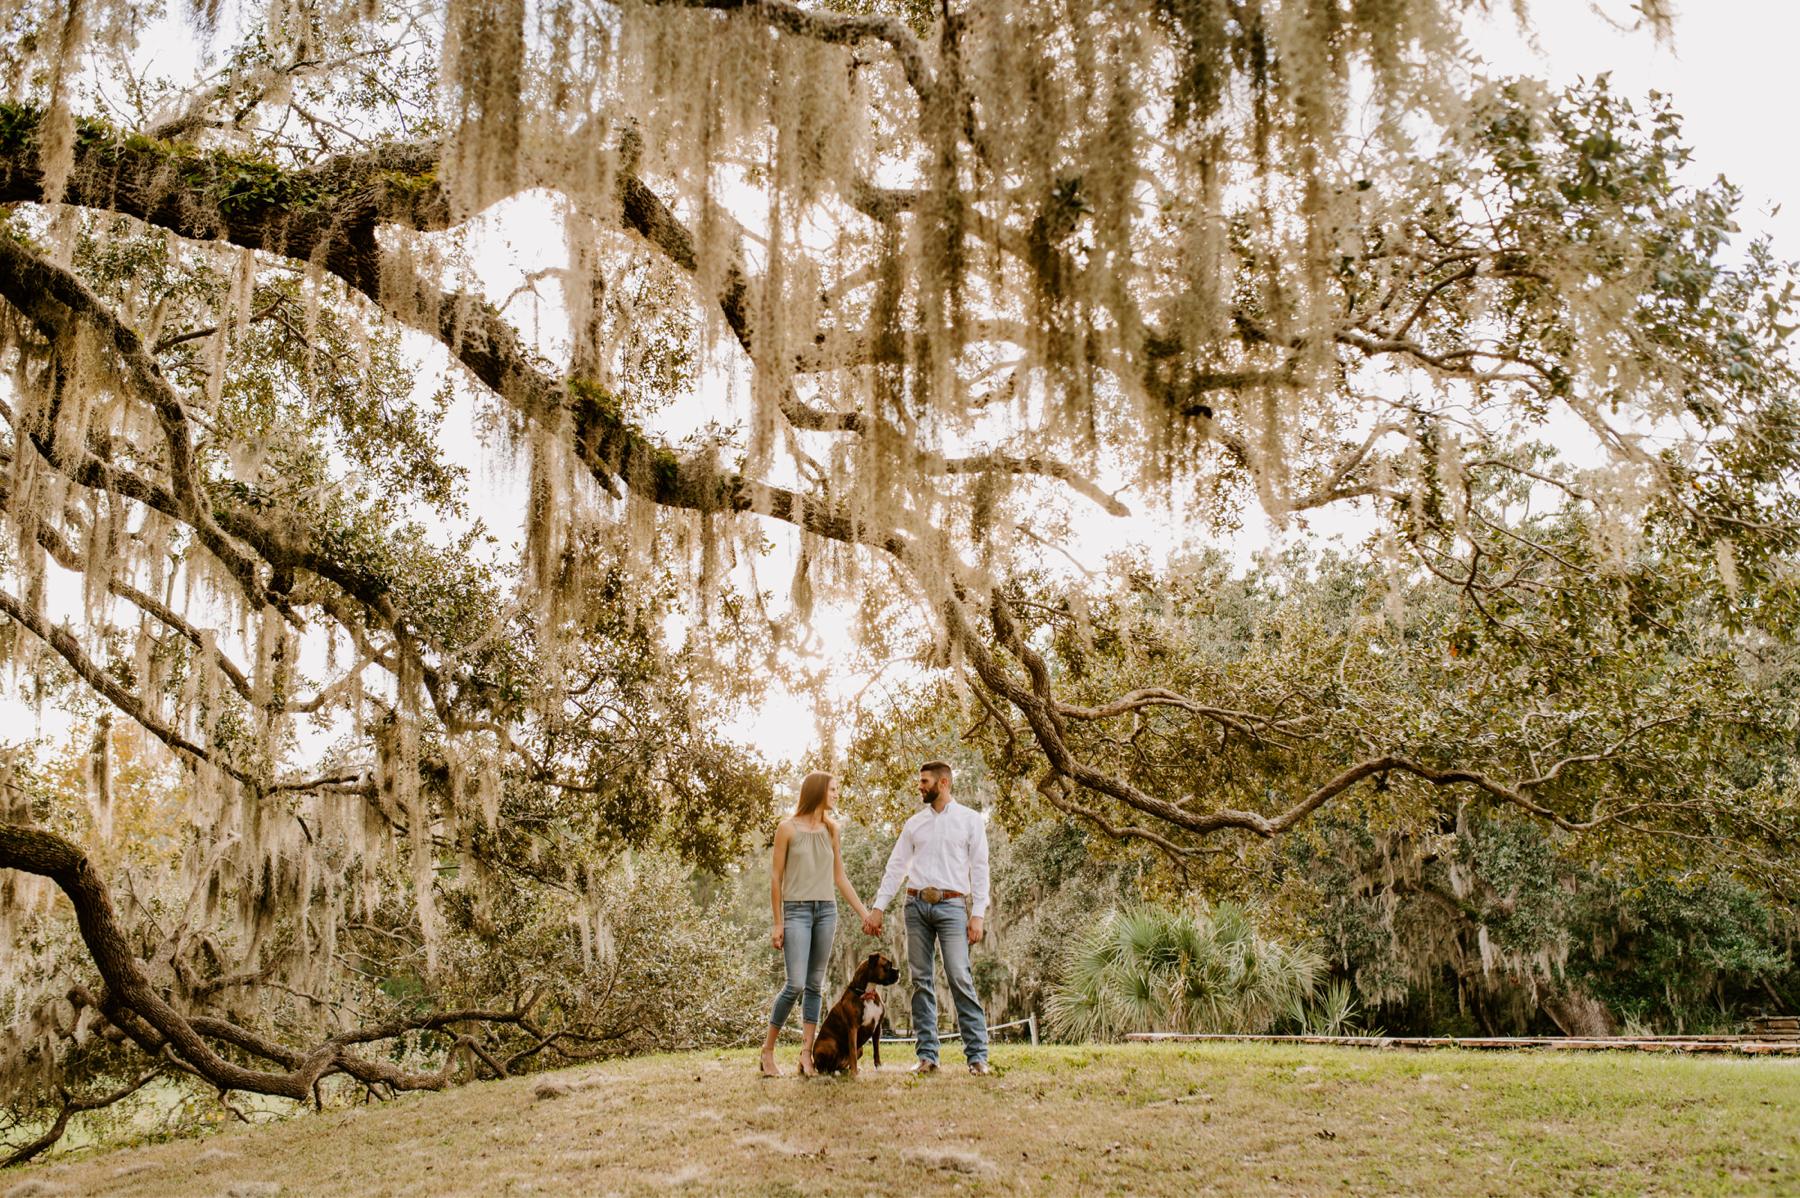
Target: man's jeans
{"points": [[806, 929], [927, 926]]}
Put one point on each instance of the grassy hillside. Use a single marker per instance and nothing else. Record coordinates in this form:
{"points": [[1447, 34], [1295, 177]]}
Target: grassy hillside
{"points": [[1141, 1119]]}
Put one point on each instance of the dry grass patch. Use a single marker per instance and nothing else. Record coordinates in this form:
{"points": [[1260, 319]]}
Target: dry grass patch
{"points": [[1137, 1119]]}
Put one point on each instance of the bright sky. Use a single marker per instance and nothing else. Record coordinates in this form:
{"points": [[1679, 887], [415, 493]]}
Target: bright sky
{"points": [[1730, 71]]}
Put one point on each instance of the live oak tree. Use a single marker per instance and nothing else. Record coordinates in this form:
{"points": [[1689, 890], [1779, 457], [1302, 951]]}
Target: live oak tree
{"points": [[1655, 888], [934, 271]]}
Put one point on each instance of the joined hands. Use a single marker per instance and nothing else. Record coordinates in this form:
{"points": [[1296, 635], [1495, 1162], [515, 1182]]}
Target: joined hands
{"points": [[872, 924]]}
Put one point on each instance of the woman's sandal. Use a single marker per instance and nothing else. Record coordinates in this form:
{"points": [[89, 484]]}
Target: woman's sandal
{"points": [[770, 1071], [806, 1065]]}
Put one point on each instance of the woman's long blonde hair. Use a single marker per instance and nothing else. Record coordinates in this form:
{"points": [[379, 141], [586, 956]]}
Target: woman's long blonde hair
{"points": [[813, 789]]}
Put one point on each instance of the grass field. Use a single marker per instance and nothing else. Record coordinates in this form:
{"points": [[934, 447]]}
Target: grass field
{"points": [[1138, 1119]]}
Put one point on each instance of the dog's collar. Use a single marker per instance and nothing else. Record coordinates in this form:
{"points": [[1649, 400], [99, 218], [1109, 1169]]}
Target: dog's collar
{"points": [[870, 995]]}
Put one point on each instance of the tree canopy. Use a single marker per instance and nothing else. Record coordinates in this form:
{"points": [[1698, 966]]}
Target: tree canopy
{"points": [[939, 279]]}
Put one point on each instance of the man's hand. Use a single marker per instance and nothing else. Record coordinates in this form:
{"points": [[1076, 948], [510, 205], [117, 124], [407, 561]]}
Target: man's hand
{"points": [[975, 929], [872, 923], [779, 935]]}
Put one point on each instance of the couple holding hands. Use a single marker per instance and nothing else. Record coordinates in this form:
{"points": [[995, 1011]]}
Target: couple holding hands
{"points": [[941, 857]]}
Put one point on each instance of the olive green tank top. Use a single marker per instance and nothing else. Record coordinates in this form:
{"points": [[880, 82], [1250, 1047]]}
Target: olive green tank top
{"points": [[807, 876]]}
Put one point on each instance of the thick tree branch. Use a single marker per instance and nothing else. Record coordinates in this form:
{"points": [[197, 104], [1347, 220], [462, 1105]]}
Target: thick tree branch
{"points": [[70, 650], [1045, 717], [55, 300], [65, 555], [837, 29], [72, 1105], [130, 1001], [1055, 790], [138, 1010], [999, 463]]}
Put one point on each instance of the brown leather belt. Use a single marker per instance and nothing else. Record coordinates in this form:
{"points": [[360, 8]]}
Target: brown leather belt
{"points": [[932, 894]]}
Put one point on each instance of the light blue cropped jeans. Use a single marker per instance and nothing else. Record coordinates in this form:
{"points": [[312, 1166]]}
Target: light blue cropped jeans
{"points": [[807, 927]]}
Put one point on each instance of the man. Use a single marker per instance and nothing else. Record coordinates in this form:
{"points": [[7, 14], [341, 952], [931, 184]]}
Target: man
{"points": [[942, 857]]}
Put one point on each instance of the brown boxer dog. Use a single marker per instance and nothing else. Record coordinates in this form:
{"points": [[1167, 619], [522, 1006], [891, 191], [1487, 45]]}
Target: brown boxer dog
{"points": [[855, 1020]]}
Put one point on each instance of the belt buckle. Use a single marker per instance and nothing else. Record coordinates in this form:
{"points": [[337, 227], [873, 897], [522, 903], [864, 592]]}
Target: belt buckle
{"points": [[932, 894]]}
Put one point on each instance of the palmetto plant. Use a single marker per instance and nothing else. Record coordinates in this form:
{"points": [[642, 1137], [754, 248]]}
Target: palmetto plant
{"points": [[1148, 968], [1332, 1011]]}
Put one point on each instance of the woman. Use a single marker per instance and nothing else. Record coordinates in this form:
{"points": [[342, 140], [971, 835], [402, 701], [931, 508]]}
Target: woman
{"points": [[808, 863]]}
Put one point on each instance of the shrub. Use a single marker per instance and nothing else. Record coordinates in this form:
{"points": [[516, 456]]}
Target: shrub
{"points": [[1147, 968]]}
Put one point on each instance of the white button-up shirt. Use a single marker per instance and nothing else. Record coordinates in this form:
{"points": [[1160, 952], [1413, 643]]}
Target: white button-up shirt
{"points": [[945, 849]]}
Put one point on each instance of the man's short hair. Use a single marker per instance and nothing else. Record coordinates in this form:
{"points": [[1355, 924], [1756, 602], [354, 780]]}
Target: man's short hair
{"points": [[937, 769]]}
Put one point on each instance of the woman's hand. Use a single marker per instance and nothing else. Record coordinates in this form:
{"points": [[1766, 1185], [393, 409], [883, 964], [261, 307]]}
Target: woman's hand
{"points": [[778, 935]]}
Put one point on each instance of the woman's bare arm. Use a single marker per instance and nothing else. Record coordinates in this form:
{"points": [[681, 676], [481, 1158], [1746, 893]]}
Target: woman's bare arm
{"points": [[777, 866]]}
